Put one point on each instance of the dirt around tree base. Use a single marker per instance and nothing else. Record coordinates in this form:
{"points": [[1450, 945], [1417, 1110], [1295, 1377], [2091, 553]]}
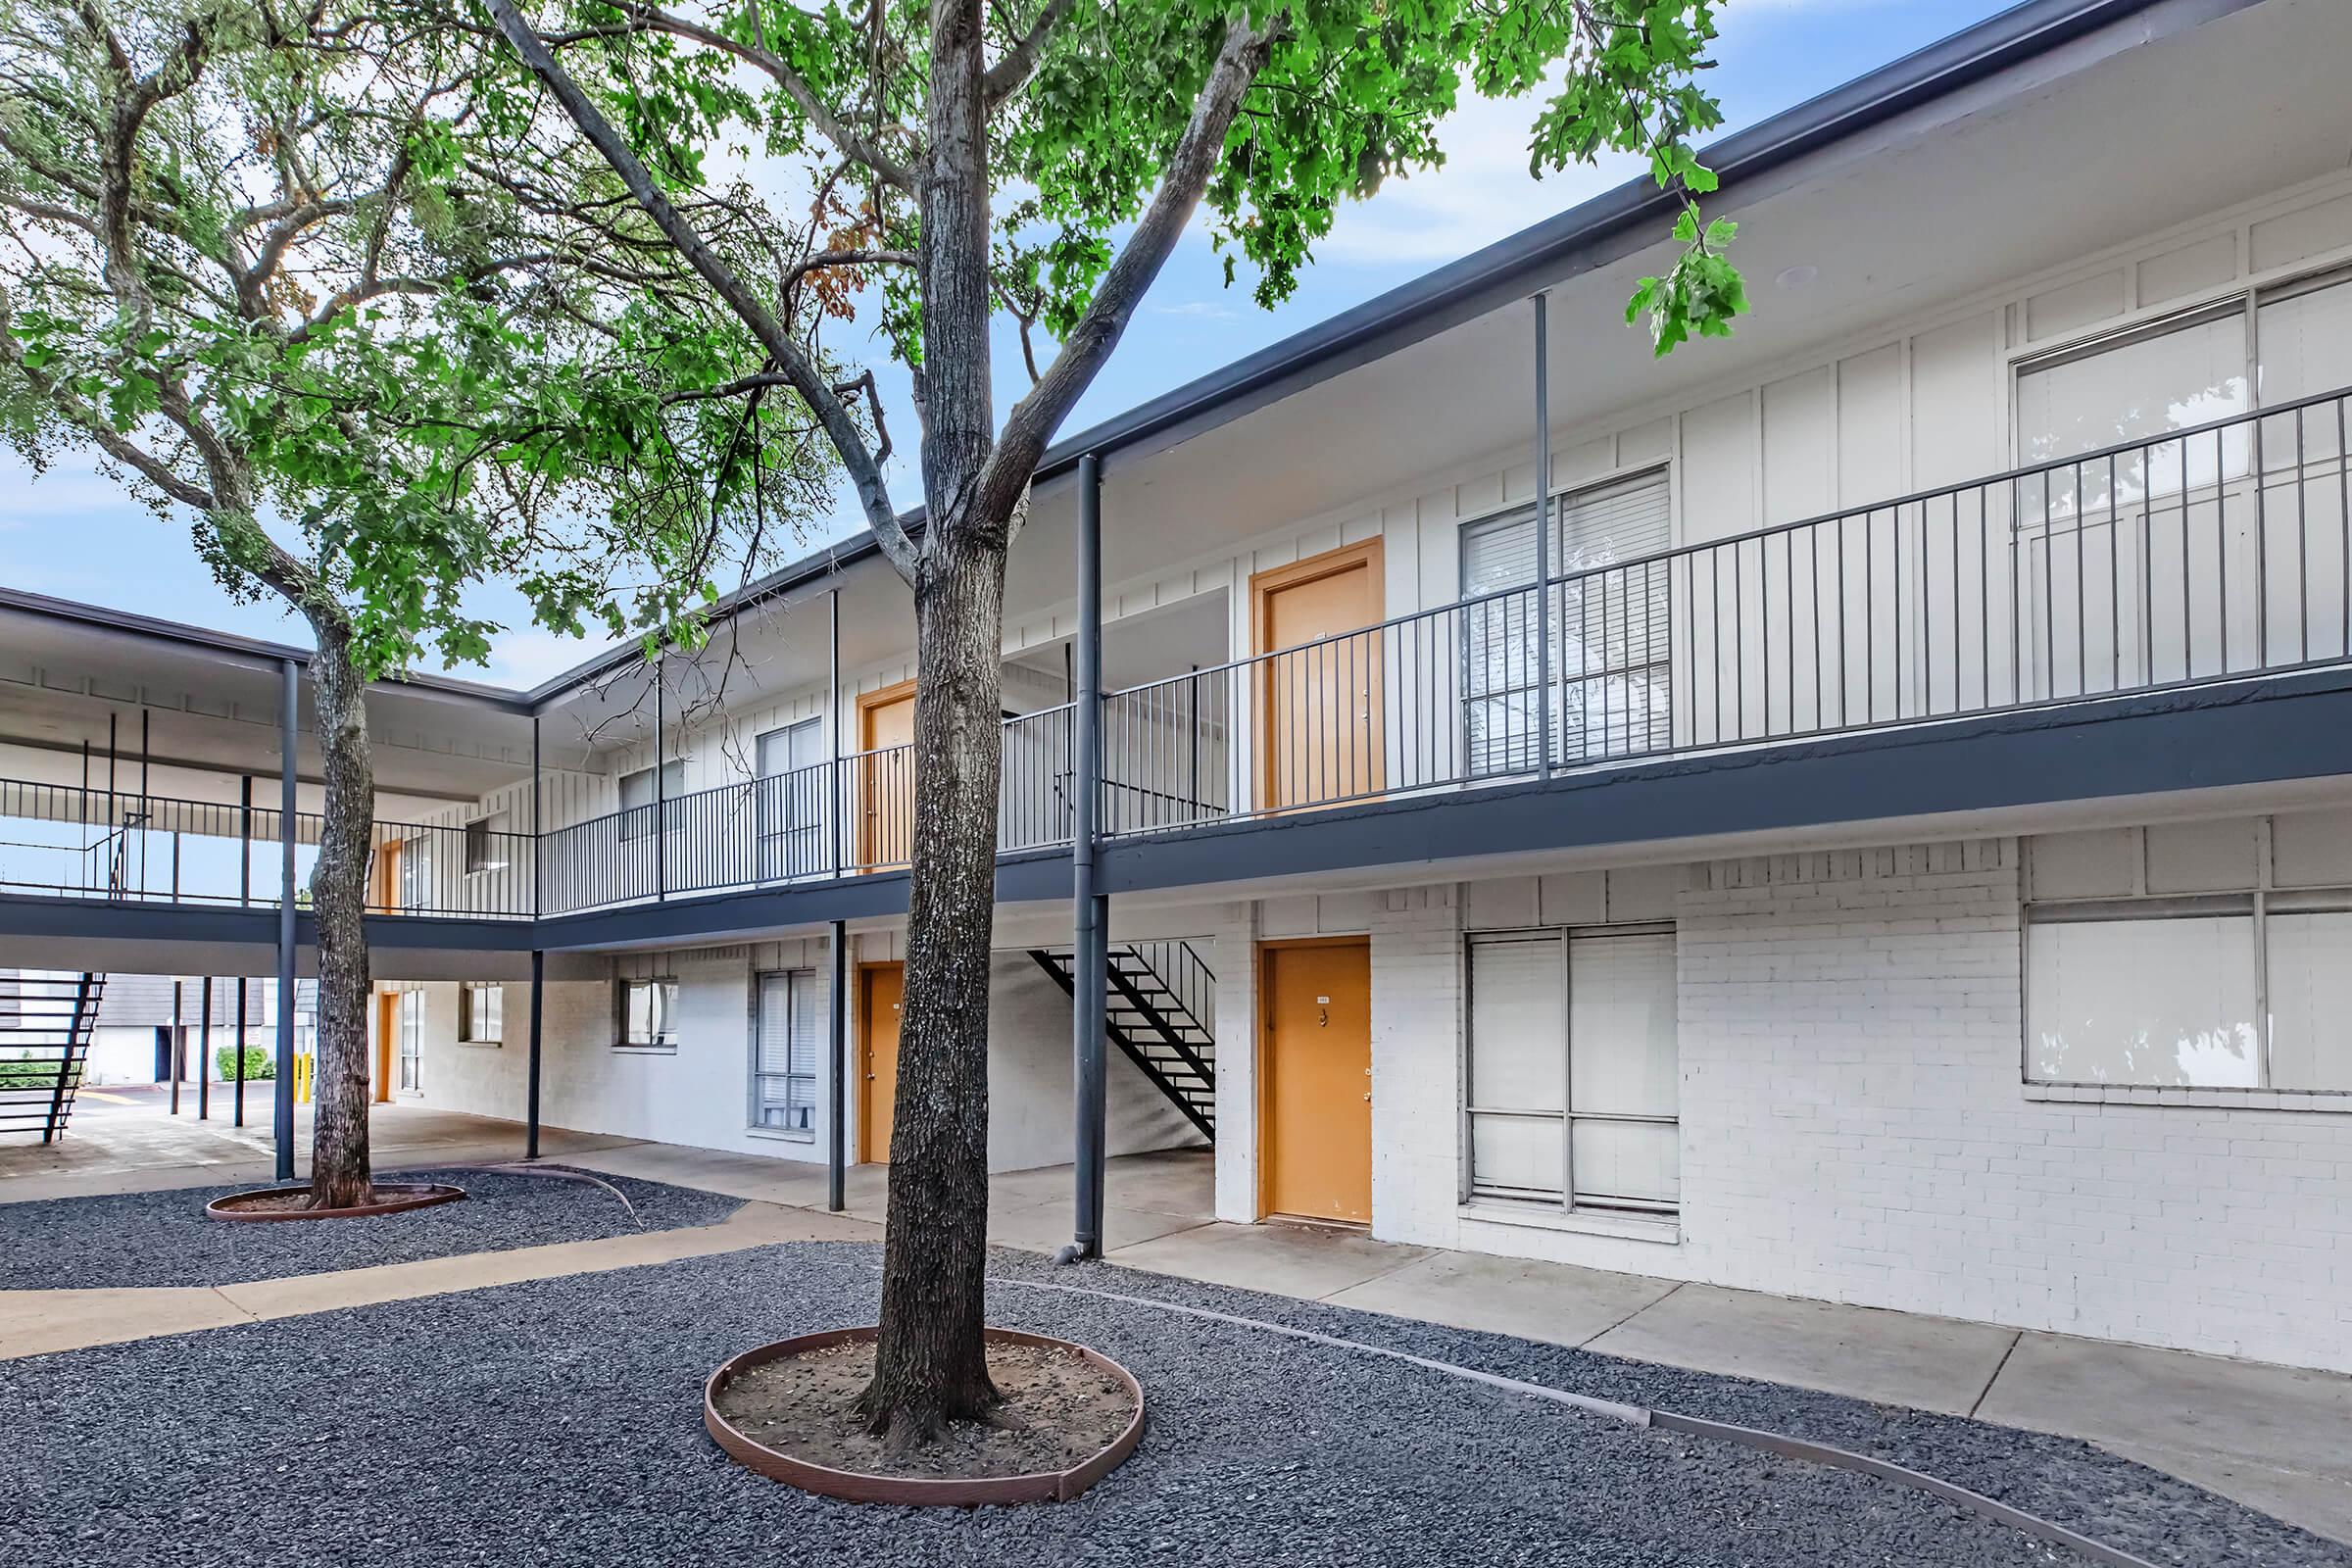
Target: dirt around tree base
{"points": [[1060, 1410], [294, 1202]]}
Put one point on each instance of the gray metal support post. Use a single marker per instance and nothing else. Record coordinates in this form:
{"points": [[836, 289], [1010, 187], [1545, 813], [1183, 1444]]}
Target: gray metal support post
{"points": [[661, 792], [535, 878], [177, 1056], [204, 1055], [282, 1096], [1543, 535], [1089, 909], [530, 1122], [837, 1140], [836, 806], [238, 1119], [244, 857]]}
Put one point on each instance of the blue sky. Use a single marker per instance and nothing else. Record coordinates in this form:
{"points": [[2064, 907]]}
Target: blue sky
{"points": [[74, 534]]}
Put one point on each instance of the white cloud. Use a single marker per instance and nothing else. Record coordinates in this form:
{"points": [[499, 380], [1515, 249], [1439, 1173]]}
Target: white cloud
{"points": [[1196, 310], [526, 658], [1482, 192]]}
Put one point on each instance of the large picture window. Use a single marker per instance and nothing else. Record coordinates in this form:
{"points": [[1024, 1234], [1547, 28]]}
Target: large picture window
{"points": [[1574, 1079], [2251, 992], [1608, 629], [787, 1048]]}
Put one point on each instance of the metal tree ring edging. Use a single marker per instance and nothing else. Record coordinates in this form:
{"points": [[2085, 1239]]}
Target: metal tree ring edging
{"points": [[860, 1486], [391, 1198]]}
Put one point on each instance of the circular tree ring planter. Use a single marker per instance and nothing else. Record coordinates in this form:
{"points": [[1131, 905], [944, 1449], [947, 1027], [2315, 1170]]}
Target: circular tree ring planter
{"points": [[265, 1206], [860, 1486]]}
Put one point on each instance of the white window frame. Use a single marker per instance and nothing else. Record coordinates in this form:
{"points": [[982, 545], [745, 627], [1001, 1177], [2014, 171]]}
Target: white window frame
{"points": [[408, 1048], [1661, 644], [489, 828], [2258, 902], [795, 981], [1490, 1201], [469, 1012], [664, 1013], [638, 822], [785, 839]]}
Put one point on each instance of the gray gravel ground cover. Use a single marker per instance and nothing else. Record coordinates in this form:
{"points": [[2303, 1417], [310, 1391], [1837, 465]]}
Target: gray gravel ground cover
{"points": [[2076, 1484], [559, 1422], [135, 1239]]}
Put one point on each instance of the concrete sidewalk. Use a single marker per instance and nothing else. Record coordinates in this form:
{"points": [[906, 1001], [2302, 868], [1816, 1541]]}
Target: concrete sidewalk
{"points": [[125, 1140]]}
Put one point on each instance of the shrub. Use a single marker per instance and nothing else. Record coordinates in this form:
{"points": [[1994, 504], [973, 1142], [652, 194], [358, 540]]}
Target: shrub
{"points": [[36, 1072], [258, 1063]]}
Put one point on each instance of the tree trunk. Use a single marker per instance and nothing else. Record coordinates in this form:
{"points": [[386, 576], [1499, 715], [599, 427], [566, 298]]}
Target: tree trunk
{"points": [[340, 1176], [930, 1366]]}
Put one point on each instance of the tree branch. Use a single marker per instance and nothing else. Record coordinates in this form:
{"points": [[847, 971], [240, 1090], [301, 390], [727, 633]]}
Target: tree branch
{"points": [[1014, 69], [823, 259], [852, 141], [110, 441], [873, 491], [1037, 416]]}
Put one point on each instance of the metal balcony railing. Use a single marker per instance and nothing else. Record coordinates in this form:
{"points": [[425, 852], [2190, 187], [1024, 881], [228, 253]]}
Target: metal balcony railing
{"points": [[2202, 555], [780, 828], [65, 840], [2194, 556]]}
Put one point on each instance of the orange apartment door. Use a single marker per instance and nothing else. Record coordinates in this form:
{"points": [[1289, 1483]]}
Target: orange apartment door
{"points": [[882, 991], [386, 895], [1315, 1107], [1319, 732], [387, 1029], [886, 785]]}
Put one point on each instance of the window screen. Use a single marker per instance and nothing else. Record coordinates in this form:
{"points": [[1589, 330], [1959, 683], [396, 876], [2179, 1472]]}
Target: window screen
{"points": [[791, 801], [2151, 1000], [1608, 628], [637, 797], [648, 1013], [1574, 1078], [786, 1055]]}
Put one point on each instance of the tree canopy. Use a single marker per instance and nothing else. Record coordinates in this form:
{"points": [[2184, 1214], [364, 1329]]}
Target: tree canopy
{"points": [[332, 282], [1078, 127], [974, 163]]}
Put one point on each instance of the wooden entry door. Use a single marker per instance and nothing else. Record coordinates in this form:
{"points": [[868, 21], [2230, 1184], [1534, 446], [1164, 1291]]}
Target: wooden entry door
{"points": [[881, 996], [387, 1028], [1320, 731], [1315, 1107], [886, 778]]}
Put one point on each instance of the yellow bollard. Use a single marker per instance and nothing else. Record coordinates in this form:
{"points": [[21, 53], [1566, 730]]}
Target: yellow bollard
{"points": [[304, 1068]]}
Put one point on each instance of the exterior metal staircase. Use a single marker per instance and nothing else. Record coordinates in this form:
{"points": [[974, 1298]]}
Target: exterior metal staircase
{"points": [[44, 1046], [1156, 1000]]}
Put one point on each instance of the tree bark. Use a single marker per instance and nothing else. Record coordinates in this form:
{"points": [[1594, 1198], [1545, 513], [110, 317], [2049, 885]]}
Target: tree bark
{"points": [[930, 1367], [340, 1173]]}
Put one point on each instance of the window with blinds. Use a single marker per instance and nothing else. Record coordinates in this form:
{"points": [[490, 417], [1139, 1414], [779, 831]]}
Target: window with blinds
{"points": [[791, 801], [638, 798], [1609, 641], [1574, 1079], [787, 1048]]}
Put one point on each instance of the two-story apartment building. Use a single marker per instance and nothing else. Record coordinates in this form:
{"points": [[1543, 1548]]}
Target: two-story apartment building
{"points": [[1884, 835]]}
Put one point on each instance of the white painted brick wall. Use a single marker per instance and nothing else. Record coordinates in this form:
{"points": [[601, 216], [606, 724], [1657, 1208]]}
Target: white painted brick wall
{"points": [[1854, 1128]]}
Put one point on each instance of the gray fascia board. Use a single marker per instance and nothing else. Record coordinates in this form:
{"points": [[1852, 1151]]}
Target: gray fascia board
{"points": [[2265, 730], [2268, 730]]}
